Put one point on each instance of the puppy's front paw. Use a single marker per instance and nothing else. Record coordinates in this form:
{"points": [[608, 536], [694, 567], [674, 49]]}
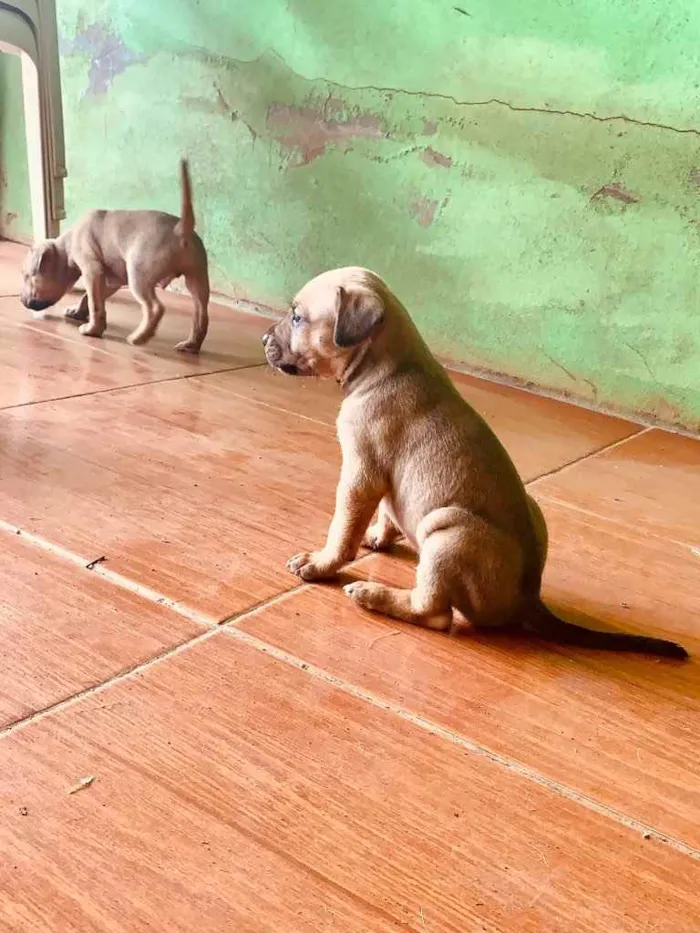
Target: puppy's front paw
{"points": [[312, 566], [365, 594], [187, 346], [91, 330], [77, 313]]}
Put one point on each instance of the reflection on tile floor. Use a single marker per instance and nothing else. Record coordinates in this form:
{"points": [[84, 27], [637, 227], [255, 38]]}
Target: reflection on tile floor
{"points": [[306, 766]]}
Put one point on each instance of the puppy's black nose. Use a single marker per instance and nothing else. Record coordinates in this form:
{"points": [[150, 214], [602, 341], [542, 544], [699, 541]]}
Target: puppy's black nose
{"points": [[265, 338], [35, 305]]}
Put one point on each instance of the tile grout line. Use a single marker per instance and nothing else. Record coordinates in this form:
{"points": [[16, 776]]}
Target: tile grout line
{"points": [[456, 738], [589, 456], [286, 411], [112, 576], [209, 623], [614, 524], [75, 698], [132, 385], [230, 627]]}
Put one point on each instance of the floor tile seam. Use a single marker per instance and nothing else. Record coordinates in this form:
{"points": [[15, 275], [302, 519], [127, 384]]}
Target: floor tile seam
{"points": [[129, 387], [33, 325], [94, 566], [124, 582], [511, 765], [256, 401], [620, 526], [94, 689], [266, 603], [148, 594], [577, 461], [209, 624], [232, 629], [141, 666], [276, 598]]}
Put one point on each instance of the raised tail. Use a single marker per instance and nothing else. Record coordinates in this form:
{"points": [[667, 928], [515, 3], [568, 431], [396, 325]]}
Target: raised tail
{"points": [[185, 227], [541, 621]]}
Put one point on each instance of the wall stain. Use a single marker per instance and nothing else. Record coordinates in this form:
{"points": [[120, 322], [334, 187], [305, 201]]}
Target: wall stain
{"points": [[423, 209], [308, 131], [108, 55], [432, 157], [430, 127], [616, 191]]}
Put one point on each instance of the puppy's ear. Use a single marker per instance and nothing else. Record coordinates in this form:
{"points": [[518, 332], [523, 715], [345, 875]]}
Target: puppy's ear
{"points": [[45, 258], [358, 316]]}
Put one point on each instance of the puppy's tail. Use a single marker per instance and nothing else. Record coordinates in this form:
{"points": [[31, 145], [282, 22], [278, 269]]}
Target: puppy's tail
{"points": [[541, 621], [185, 227]]}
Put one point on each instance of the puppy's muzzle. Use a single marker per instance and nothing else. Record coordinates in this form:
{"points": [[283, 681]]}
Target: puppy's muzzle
{"points": [[273, 351], [33, 304], [274, 354]]}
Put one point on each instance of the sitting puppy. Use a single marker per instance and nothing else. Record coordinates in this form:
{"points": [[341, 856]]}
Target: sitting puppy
{"points": [[109, 249], [415, 449]]}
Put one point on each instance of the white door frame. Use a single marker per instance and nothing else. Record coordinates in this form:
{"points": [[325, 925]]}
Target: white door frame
{"points": [[28, 28]]}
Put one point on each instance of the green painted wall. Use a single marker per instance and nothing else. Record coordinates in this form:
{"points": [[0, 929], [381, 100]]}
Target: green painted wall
{"points": [[474, 155]]}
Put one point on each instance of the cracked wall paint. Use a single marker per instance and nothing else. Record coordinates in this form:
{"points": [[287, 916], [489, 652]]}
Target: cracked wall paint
{"points": [[526, 176]]}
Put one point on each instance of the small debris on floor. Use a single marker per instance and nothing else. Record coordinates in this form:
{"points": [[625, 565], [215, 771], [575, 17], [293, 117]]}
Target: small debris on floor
{"points": [[379, 638], [647, 835], [82, 784], [95, 562], [23, 811]]}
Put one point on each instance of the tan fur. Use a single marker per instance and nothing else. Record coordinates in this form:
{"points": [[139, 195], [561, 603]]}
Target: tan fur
{"points": [[110, 249], [414, 450]]}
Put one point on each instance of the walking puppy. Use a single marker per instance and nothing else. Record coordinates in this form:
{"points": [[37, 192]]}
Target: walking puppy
{"points": [[415, 449], [109, 249]]}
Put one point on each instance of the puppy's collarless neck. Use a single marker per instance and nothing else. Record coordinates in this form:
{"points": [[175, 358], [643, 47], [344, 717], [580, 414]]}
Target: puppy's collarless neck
{"points": [[365, 372], [354, 373]]}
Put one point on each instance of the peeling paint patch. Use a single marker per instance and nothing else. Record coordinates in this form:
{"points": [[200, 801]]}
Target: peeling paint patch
{"points": [[108, 55], [308, 131], [423, 209], [616, 191], [432, 157], [694, 177]]}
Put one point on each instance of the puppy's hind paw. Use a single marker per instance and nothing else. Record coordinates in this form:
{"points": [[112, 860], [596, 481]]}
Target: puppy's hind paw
{"points": [[376, 539], [365, 594], [77, 313]]}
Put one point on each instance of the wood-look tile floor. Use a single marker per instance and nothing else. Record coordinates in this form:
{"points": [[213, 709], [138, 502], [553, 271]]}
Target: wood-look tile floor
{"points": [[192, 740]]}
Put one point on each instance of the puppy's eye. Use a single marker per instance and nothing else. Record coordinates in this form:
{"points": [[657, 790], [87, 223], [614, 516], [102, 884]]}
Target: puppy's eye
{"points": [[295, 318]]}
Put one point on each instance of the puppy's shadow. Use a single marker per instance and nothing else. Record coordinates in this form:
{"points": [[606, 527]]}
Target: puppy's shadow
{"points": [[158, 347], [524, 646]]}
